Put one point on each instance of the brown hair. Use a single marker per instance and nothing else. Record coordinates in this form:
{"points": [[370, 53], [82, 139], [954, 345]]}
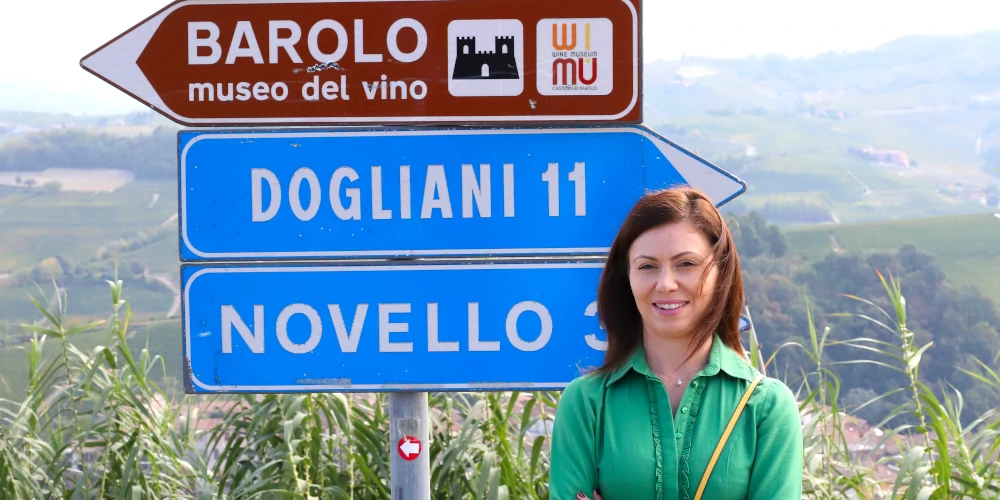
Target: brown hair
{"points": [[616, 307]]}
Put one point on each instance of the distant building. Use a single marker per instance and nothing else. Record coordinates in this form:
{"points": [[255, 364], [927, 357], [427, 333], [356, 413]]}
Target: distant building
{"points": [[892, 157], [974, 193], [497, 65], [16, 128], [862, 441]]}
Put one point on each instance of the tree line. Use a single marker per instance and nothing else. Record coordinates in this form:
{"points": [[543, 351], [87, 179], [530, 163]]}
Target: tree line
{"points": [[150, 156], [782, 288]]}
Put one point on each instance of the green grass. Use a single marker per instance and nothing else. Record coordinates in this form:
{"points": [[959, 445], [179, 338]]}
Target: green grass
{"points": [[85, 300], [966, 247], [160, 257], [76, 224], [162, 339], [786, 135], [786, 175], [812, 241]]}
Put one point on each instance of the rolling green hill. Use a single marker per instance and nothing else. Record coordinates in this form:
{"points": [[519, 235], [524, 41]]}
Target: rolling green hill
{"points": [[77, 224], [966, 247], [79, 237], [789, 126], [803, 169]]}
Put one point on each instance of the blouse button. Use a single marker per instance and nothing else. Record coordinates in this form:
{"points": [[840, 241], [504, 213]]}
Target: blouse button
{"points": [[684, 410], [678, 435]]}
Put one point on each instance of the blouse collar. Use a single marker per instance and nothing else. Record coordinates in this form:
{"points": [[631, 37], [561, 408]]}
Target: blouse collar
{"points": [[720, 358]]}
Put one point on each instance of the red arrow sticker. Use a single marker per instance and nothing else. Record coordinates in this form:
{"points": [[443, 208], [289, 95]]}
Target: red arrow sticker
{"points": [[409, 448]]}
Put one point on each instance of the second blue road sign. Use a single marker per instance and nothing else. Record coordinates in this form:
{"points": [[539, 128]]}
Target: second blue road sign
{"points": [[310, 328]]}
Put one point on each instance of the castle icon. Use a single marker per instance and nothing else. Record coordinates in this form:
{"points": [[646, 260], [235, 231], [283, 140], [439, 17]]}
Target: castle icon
{"points": [[497, 65]]}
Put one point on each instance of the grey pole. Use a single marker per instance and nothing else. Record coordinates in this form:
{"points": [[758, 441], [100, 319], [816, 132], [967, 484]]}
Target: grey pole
{"points": [[408, 416]]}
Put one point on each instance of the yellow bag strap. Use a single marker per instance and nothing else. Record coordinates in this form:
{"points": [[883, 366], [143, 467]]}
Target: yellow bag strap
{"points": [[725, 436]]}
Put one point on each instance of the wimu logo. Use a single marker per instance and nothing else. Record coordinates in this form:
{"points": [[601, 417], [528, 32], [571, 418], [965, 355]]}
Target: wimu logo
{"points": [[574, 56], [572, 70]]}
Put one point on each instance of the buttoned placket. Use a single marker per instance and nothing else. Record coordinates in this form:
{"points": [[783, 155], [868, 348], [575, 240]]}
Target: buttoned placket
{"points": [[676, 434]]}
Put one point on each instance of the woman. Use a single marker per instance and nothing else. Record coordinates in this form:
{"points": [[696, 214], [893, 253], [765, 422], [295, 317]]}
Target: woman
{"points": [[646, 424]]}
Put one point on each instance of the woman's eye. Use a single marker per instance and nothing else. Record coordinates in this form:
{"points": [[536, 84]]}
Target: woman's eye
{"points": [[645, 266], [686, 263]]}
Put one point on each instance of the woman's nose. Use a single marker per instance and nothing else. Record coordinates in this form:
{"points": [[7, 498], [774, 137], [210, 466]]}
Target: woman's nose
{"points": [[667, 282]]}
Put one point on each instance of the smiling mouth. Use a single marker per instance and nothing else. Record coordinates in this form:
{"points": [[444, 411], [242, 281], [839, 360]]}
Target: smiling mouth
{"points": [[670, 307]]}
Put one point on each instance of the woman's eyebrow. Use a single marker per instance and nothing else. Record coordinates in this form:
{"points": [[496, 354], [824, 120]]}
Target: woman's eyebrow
{"points": [[681, 254]]}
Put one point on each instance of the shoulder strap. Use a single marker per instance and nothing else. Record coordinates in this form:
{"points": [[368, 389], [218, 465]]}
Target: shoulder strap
{"points": [[725, 436]]}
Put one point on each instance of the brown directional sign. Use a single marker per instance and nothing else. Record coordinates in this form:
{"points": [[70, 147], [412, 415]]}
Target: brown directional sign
{"points": [[351, 62]]}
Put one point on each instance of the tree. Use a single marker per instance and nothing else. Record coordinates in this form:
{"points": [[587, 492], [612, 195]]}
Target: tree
{"points": [[149, 156], [137, 268], [961, 322], [755, 237], [873, 411], [52, 186]]}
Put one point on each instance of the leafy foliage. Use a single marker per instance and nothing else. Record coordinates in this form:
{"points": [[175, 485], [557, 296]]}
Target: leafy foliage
{"points": [[962, 322], [94, 425], [754, 237]]}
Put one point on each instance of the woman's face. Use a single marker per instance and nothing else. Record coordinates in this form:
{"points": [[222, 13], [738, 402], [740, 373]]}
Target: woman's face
{"points": [[666, 265]]}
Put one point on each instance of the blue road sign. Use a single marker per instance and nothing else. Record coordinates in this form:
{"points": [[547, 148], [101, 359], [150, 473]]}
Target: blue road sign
{"points": [[273, 328], [261, 195]]}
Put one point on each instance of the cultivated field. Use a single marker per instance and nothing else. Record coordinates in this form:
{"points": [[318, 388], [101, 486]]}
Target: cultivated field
{"points": [[805, 161], [88, 233], [70, 179], [966, 247]]}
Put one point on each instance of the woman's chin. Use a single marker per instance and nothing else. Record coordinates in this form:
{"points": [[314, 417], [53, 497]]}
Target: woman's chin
{"points": [[672, 328]]}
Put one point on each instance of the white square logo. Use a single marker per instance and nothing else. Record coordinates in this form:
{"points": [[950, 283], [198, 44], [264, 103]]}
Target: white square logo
{"points": [[575, 56], [486, 57]]}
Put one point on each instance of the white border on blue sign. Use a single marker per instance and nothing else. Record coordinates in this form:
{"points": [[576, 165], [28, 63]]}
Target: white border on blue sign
{"points": [[222, 135], [361, 387]]}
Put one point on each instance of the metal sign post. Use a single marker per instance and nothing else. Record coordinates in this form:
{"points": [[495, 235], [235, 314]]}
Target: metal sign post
{"points": [[409, 423]]}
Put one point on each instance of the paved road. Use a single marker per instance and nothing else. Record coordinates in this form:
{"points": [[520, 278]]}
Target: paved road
{"points": [[175, 307]]}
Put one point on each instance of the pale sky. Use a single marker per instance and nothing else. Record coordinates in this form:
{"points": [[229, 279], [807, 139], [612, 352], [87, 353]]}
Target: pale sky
{"points": [[42, 41]]}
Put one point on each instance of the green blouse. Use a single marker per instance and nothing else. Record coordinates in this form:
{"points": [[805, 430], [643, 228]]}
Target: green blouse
{"points": [[616, 432]]}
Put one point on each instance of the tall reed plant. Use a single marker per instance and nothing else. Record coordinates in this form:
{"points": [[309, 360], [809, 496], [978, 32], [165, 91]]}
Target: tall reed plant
{"points": [[94, 424]]}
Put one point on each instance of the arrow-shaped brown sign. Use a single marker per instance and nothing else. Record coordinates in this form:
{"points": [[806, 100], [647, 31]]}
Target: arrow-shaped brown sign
{"points": [[302, 62]]}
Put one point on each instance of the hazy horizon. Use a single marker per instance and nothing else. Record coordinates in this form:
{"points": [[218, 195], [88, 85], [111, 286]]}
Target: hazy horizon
{"points": [[726, 29]]}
